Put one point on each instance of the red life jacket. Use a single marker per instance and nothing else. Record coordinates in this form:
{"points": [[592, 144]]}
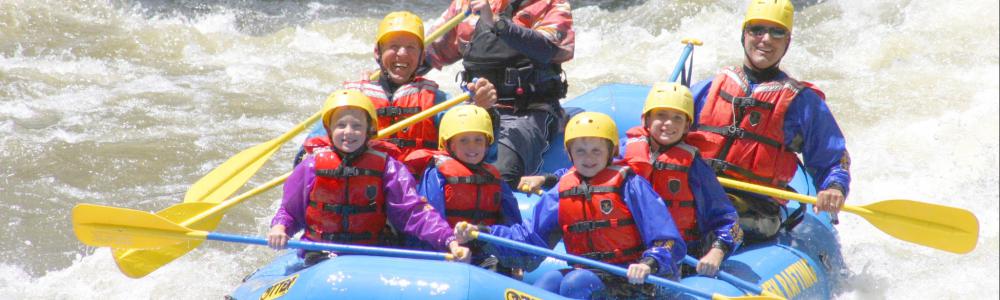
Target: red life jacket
{"points": [[753, 148], [409, 99], [346, 204], [668, 173], [417, 161], [469, 196], [596, 222]]}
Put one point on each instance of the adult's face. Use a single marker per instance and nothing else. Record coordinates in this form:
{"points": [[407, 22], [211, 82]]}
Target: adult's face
{"points": [[762, 44], [400, 56]]}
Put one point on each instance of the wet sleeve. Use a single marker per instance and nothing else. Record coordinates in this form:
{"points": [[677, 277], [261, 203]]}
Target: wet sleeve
{"points": [[823, 145], [439, 97], [700, 91], [432, 188], [716, 214], [445, 50], [509, 210], [542, 231], [410, 213], [551, 37], [292, 212], [663, 242]]}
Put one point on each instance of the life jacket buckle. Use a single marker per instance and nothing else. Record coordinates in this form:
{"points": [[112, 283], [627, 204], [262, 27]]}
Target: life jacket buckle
{"points": [[734, 131], [389, 111], [744, 101]]}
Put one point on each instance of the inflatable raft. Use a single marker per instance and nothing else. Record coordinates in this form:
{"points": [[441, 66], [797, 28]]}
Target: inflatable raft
{"points": [[803, 263]]}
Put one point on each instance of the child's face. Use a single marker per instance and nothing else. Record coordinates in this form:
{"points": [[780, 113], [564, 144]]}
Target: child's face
{"points": [[589, 154], [348, 129], [666, 126], [468, 147]]}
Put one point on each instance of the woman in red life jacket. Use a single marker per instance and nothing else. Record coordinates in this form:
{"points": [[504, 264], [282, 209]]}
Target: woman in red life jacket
{"points": [[400, 92], [349, 193], [655, 150], [603, 212], [460, 185]]}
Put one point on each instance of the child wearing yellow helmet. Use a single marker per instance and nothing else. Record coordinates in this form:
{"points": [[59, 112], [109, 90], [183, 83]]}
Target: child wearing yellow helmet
{"points": [[352, 194], [460, 185], [603, 212], [655, 150]]}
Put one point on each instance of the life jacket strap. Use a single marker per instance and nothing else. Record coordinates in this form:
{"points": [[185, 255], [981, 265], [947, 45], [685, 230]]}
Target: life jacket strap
{"points": [[392, 111], [670, 203], [345, 209], [603, 256], [732, 131], [585, 226], [347, 171], [404, 143]]}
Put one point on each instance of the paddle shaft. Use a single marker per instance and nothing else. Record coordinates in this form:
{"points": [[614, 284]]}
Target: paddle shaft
{"points": [[730, 278], [447, 26], [354, 249], [613, 269], [222, 206], [680, 62]]}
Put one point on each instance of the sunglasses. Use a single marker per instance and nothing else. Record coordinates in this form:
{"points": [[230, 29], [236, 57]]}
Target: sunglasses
{"points": [[759, 31]]}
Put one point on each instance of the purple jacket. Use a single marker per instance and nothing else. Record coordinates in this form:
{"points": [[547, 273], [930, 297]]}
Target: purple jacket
{"points": [[407, 212]]}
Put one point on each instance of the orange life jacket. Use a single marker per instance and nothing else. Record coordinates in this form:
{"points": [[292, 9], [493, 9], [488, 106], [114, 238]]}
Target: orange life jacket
{"points": [[469, 196], [409, 99], [346, 203], [668, 173], [752, 148], [596, 222]]}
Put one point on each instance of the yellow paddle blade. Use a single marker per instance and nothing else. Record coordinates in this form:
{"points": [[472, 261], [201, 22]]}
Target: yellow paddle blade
{"points": [[136, 263], [228, 177], [937, 226], [942, 227], [760, 297], [105, 226]]}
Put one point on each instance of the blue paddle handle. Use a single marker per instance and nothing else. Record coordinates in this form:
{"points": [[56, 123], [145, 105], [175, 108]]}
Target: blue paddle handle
{"points": [[730, 278], [680, 63], [354, 249], [613, 269]]}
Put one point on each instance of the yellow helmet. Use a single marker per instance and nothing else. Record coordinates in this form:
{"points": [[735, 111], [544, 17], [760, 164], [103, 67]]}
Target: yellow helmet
{"points": [[351, 98], [465, 118], [670, 95], [777, 11], [400, 22], [592, 124]]}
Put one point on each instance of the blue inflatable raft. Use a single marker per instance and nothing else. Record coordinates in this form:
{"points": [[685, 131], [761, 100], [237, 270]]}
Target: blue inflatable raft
{"points": [[805, 263]]}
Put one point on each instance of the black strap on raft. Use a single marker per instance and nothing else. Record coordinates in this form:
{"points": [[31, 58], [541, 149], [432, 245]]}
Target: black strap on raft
{"points": [[347, 171], [584, 226], [687, 72]]}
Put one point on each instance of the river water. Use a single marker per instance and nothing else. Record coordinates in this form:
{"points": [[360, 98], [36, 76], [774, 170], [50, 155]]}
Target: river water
{"points": [[127, 103]]}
